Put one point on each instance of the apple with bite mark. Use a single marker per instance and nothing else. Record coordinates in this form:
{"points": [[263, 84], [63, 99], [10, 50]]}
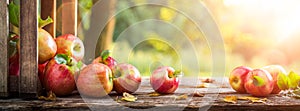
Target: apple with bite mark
{"points": [[59, 75], [126, 78], [70, 45], [237, 78], [274, 70], [95, 80], [165, 80], [106, 59], [259, 82]]}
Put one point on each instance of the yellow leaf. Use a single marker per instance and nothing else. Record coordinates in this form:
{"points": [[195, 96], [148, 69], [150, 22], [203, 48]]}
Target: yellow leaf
{"points": [[128, 97], [197, 94], [181, 97], [230, 99], [50, 97], [203, 85], [253, 99], [153, 94]]}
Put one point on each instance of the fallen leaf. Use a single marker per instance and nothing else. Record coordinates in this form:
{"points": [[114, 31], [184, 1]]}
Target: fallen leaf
{"points": [[197, 94], [154, 94], [208, 80], [50, 97], [253, 99], [264, 100], [203, 85], [181, 97], [128, 97], [230, 99]]}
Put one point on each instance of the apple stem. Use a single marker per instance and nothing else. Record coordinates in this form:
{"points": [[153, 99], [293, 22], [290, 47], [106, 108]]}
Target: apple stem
{"points": [[178, 73]]}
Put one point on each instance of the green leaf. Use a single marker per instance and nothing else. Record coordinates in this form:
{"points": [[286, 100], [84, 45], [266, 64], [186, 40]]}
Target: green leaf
{"points": [[79, 64], [283, 81], [105, 54], [62, 59], [43, 23], [14, 14], [258, 81], [294, 79]]}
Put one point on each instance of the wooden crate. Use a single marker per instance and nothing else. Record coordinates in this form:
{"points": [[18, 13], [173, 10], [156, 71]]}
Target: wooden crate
{"points": [[27, 85]]}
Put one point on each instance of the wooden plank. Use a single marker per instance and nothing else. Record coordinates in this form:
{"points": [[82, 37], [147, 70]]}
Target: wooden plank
{"points": [[48, 8], [3, 49], [69, 17], [28, 54]]}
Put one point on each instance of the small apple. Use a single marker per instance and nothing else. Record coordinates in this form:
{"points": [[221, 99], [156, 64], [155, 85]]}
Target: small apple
{"points": [[165, 80], [126, 78], [46, 46], [70, 45], [95, 80], [237, 78], [274, 70], [106, 59], [59, 75], [259, 82]]}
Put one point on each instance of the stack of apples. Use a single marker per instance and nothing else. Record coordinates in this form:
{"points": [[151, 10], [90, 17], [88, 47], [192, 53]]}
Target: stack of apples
{"points": [[257, 82]]}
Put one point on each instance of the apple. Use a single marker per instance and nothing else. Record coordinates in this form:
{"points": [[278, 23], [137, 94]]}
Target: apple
{"points": [[59, 75], [41, 74], [126, 78], [14, 66], [46, 46], [106, 59], [70, 45], [165, 80], [95, 80], [259, 82], [237, 78], [274, 70]]}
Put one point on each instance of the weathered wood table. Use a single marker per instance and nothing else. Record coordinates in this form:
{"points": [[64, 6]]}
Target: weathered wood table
{"points": [[212, 100]]}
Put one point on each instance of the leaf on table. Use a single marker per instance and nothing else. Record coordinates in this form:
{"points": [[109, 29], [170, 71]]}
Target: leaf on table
{"points": [[207, 80], [128, 97], [181, 97], [203, 85], [197, 94], [253, 99], [264, 100], [154, 94], [50, 97], [230, 99], [294, 80], [283, 81]]}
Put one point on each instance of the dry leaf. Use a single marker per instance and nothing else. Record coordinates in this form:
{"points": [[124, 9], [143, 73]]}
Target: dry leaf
{"points": [[197, 94], [154, 94], [253, 99], [264, 100], [181, 97], [203, 85], [208, 80], [230, 99], [128, 97], [50, 97]]}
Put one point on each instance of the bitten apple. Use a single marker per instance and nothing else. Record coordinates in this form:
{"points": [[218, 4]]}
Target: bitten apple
{"points": [[274, 70], [106, 59], [165, 80], [126, 78], [59, 75], [70, 45], [237, 78], [259, 82], [95, 80]]}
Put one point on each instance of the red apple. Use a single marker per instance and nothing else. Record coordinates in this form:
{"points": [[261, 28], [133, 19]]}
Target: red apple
{"points": [[165, 80], [59, 75], [41, 74], [95, 80], [237, 78], [106, 59], [259, 82], [14, 66], [126, 78], [46, 46], [274, 70], [70, 45]]}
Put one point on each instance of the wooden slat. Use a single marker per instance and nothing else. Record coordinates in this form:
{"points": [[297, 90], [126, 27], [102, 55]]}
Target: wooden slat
{"points": [[28, 54], [48, 8], [3, 49], [69, 17]]}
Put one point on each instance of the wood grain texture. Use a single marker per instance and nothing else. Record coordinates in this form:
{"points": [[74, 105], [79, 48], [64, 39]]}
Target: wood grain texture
{"points": [[28, 54], [69, 17], [213, 94], [48, 8], [3, 48]]}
